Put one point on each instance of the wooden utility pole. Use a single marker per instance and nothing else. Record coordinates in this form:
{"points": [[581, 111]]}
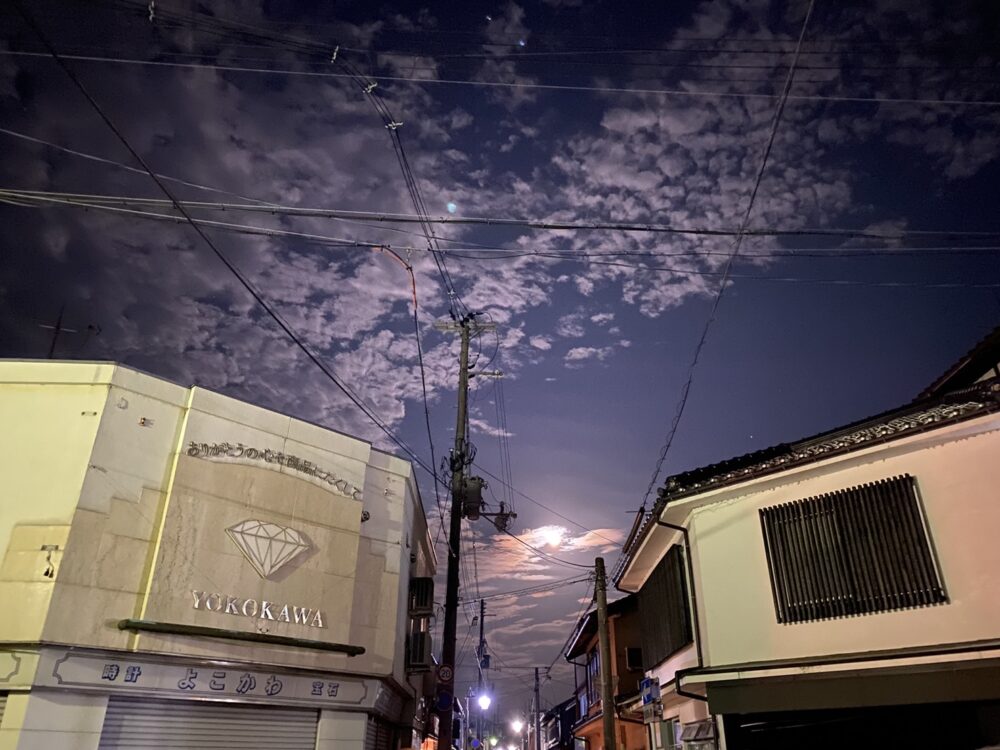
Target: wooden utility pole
{"points": [[465, 326], [604, 644], [538, 715], [480, 654]]}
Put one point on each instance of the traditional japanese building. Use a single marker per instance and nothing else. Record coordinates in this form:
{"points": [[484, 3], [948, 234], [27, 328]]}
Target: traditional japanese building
{"points": [[180, 568], [844, 589], [625, 671]]}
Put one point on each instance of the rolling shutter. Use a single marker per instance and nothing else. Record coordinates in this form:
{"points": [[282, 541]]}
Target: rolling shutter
{"points": [[131, 724], [378, 735], [3, 705]]}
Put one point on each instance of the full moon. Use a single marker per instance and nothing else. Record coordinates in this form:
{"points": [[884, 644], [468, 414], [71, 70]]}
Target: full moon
{"points": [[553, 535]]}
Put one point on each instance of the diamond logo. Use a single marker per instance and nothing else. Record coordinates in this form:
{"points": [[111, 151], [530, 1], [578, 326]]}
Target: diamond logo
{"points": [[267, 546]]}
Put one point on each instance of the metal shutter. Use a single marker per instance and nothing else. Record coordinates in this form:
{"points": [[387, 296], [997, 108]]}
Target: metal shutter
{"points": [[378, 735], [175, 725], [3, 705]]}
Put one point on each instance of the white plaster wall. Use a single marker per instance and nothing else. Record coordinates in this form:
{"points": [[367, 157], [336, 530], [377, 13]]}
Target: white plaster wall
{"points": [[958, 475], [88, 455], [50, 415]]}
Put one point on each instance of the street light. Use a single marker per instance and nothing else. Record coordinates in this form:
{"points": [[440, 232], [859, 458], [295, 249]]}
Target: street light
{"points": [[517, 725], [494, 741], [484, 701]]}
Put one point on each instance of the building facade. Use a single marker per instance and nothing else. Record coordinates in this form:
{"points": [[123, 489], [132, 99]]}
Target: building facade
{"points": [[182, 567], [845, 587], [583, 653], [557, 725]]}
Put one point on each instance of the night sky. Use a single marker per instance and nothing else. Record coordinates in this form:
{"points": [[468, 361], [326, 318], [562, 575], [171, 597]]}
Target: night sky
{"points": [[869, 264]]}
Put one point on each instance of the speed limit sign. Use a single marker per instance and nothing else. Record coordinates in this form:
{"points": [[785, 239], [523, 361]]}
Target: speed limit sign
{"points": [[445, 673]]}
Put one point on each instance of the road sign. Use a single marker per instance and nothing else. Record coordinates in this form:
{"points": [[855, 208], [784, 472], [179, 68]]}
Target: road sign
{"points": [[445, 673], [649, 688], [444, 700]]}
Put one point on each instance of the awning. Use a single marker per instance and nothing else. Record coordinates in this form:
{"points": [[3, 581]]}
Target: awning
{"points": [[876, 679]]}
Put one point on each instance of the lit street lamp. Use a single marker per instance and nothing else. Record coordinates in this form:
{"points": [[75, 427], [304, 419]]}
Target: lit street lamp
{"points": [[484, 701], [517, 725]]}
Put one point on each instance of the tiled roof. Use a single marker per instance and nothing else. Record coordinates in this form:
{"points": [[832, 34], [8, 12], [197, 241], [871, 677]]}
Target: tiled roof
{"points": [[917, 417], [969, 368]]}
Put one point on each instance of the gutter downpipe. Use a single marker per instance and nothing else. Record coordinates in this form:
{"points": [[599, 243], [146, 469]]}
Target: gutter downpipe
{"points": [[694, 611]]}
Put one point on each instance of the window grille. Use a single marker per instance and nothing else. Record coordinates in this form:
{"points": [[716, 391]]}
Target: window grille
{"points": [[663, 609], [851, 552]]}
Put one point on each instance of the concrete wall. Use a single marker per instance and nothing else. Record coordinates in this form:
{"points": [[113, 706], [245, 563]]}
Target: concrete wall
{"points": [[957, 474], [45, 445], [95, 459]]}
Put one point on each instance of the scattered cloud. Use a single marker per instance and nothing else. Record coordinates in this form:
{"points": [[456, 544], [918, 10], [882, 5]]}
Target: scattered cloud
{"points": [[571, 326], [541, 342]]}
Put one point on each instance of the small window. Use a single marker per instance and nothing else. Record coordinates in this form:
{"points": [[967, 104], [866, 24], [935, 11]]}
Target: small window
{"points": [[633, 659], [851, 552], [670, 734]]}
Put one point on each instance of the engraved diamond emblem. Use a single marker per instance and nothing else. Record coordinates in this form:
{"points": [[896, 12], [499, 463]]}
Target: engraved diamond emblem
{"points": [[267, 546]]}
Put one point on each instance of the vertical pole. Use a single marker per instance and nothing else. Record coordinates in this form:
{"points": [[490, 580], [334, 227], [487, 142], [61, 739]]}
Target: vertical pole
{"points": [[607, 697], [445, 713], [538, 715], [481, 654]]}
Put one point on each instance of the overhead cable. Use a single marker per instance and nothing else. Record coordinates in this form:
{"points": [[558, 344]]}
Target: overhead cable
{"points": [[619, 226], [244, 281], [686, 388], [681, 92]]}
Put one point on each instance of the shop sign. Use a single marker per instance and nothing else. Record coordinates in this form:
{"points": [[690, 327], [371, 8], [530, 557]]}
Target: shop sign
{"points": [[268, 456], [262, 610], [121, 672], [268, 547]]}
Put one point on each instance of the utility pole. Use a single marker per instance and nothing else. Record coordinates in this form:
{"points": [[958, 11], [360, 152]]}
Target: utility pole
{"points": [[480, 654], [538, 715], [459, 498], [604, 641]]}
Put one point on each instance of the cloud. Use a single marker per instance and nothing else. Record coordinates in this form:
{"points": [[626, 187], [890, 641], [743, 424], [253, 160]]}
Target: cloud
{"points": [[485, 427], [571, 326], [578, 353], [602, 318], [540, 342]]}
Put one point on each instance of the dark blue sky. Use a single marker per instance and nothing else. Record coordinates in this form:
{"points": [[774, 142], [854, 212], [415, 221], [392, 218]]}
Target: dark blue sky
{"points": [[892, 128]]}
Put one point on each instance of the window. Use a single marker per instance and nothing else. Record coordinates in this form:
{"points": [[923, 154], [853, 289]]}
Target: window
{"points": [[850, 552], [633, 659], [593, 677], [669, 734], [663, 609]]}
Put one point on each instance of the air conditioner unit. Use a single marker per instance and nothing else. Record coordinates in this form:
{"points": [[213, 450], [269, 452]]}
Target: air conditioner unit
{"points": [[421, 596], [419, 658]]}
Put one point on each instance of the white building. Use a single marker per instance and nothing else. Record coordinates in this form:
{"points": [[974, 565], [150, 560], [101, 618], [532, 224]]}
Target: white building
{"points": [[181, 569], [846, 587]]}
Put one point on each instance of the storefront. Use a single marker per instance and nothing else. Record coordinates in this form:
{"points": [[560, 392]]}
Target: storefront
{"points": [[222, 576]]}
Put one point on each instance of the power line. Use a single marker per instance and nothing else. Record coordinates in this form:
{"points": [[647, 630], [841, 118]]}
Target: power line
{"points": [[620, 226], [686, 389], [245, 282], [546, 555], [546, 507], [23, 200], [587, 601], [688, 93], [550, 586]]}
